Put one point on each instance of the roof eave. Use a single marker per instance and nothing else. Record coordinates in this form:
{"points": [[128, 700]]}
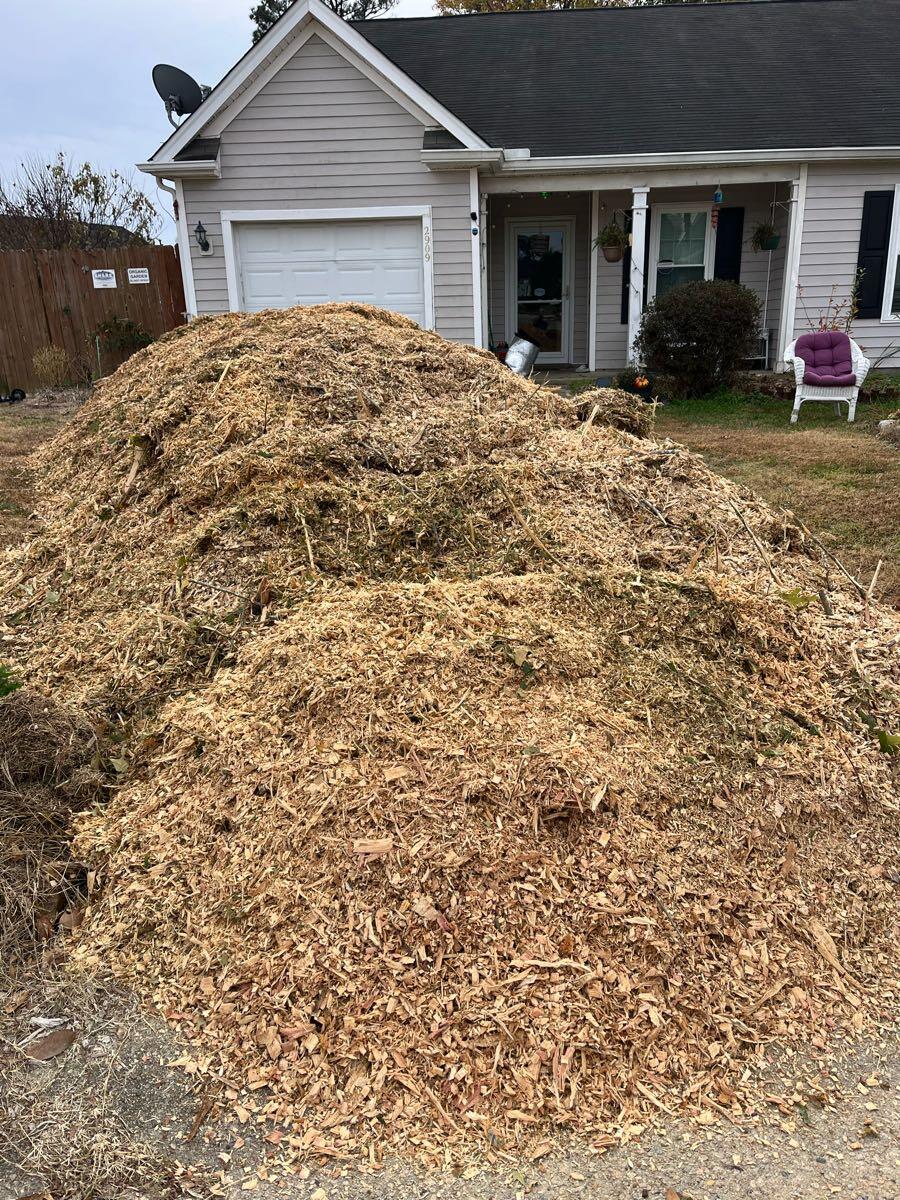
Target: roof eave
{"points": [[691, 158], [441, 160], [202, 168]]}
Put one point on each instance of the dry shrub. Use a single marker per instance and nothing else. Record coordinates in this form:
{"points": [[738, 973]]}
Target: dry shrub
{"points": [[52, 367]]}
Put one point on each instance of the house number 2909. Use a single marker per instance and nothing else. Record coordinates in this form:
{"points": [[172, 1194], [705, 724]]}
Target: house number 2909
{"points": [[426, 238]]}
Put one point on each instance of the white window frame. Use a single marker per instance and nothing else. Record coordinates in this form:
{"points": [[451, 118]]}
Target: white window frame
{"points": [[891, 274], [709, 249], [513, 226], [293, 216]]}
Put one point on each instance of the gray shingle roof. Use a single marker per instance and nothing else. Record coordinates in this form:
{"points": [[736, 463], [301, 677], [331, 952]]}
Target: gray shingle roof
{"points": [[779, 75]]}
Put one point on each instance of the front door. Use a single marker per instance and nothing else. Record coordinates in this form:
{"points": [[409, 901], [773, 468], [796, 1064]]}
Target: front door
{"points": [[539, 287]]}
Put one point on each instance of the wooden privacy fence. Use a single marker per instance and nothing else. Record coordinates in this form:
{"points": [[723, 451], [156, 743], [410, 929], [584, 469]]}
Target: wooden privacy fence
{"points": [[56, 298]]}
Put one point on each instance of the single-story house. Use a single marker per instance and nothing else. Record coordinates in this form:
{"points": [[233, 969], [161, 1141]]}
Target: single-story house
{"points": [[459, 169]]}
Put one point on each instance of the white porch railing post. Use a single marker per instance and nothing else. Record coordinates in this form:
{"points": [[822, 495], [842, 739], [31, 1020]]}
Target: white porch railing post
{"points": [[787, 316], [636, 279]]}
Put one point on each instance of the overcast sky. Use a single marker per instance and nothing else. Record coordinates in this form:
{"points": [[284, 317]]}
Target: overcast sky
{"points": [[76, 73]]}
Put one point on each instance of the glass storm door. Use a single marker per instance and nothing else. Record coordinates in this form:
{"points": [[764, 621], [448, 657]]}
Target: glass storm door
{"points": [[539, 287], [683, 245]]}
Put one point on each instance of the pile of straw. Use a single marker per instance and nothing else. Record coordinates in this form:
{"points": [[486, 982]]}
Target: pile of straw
{"points": [[491, 773]]}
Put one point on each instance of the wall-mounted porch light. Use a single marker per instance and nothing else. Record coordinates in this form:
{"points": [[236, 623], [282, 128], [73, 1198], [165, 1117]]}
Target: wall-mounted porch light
{"points": [[201, 238]]}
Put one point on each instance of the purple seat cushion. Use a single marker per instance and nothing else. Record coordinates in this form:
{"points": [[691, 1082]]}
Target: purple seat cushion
{"points": [[828, 358]]}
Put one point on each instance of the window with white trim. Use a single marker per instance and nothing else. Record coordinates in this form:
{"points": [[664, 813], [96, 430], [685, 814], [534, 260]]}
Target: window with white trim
{"points": [[682, 246]]}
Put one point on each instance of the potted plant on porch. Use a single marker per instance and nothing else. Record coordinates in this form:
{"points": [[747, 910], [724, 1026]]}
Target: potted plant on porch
{"points": [[612, 240], [765, 237]]}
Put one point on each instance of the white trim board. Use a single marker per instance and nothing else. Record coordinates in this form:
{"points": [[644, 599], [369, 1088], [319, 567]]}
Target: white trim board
{"points": [[891, 274], [594, 282], [567, 224], [788, 315], [477, 232], [184, 251], [322, 20], [594, 162], [232, 217]]}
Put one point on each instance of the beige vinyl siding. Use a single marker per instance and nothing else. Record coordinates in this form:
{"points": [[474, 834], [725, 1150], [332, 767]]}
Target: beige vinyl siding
{"points": [[830, 247], [322, 135]]}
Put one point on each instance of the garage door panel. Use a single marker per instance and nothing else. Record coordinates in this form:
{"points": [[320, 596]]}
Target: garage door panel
{"points": [[311, 262]]}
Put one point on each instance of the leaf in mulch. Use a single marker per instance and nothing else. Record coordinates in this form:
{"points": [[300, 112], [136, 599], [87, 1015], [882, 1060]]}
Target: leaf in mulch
{"points": [[50, 1046], [72, 918]]}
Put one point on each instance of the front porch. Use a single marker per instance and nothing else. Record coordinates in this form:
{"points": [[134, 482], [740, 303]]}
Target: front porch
{"points": [[543, 278]]}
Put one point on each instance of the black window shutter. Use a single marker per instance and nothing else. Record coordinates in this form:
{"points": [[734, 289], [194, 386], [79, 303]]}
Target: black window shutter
{"points": [[729, 235], [874, 237], [626, 266]]}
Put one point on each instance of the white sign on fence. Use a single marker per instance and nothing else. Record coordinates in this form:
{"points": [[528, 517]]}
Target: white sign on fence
{"points": [[138, 274], [104, 278]]}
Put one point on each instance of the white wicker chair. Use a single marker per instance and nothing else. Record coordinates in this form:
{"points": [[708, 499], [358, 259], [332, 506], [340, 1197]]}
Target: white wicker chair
{"points": [[837, 395]]}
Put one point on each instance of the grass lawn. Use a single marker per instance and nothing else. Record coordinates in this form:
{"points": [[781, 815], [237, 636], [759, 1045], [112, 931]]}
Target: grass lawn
{"points": [[841, 480], [22, 428]]}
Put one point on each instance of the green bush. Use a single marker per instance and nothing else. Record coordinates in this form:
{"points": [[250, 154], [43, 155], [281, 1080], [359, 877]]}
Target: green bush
{"points": [[699, 333]]}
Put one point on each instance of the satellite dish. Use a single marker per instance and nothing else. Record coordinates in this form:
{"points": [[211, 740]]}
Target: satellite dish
{"points": [[180, 93]]}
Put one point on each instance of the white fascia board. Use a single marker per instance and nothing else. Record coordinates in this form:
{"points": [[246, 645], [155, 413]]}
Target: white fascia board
{"points": [[204, 168], [444, 159], [306, 12], [600, 162], [502, 182]]}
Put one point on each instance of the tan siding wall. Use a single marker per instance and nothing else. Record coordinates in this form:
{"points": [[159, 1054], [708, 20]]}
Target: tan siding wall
{"points": [[830, 246], [322, 135]]}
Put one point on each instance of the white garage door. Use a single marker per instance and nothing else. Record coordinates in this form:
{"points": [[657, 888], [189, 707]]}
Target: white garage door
{"points": [[282, 263]]}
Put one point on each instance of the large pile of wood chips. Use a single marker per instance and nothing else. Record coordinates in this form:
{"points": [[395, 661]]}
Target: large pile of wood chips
{"points": [[489, 774]]}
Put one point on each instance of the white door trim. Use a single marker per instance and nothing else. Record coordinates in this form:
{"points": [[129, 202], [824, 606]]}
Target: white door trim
{"points": [[567, 224], [240, 216], [709, 250]]}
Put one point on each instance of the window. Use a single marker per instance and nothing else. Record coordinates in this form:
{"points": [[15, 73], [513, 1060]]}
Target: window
{"points": [[682, 247]]}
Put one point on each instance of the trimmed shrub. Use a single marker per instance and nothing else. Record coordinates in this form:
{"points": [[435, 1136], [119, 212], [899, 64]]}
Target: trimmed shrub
{"points": [[699, 333], [51, 366]]}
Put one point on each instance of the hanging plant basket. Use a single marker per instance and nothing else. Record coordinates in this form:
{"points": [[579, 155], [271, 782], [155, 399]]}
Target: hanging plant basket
{"points": [[612, 240], [765, 237]]}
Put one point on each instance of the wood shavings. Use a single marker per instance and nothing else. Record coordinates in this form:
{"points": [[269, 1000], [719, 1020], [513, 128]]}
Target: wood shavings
{"points": [[482, 824]]}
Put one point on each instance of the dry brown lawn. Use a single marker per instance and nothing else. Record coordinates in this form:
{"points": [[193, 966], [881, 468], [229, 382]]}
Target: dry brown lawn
{"points": [[840, 479], [22, 428]]}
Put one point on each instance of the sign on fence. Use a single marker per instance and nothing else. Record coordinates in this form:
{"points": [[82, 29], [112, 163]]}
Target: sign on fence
{"points": [[104, 278], [138, 274]]}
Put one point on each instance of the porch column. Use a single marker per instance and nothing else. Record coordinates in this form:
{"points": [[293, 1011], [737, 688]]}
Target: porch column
{"points": [[636, 280], [592, 292], [787, 316]]}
